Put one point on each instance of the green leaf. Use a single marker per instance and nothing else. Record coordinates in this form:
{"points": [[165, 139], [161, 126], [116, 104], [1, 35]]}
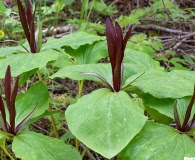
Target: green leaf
{"points": [[25, 76], [63, 60], [138, 37], [37, 146], [102, 8], [140, 60], [9, 50], [187, 75], [25, 103], [182, 105], [157, 116], [191, 133], [2, 7], [164, 85], [162, 105], [88, 54], [159, 142], [2, 140], [74, 40], [105, 121], [75, 72], [134, 62], [21, 63]]}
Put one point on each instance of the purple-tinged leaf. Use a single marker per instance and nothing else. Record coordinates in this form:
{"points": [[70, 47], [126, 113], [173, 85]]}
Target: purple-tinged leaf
{"points": [[7, 85], [101, 78], [23, 20], [111, 41], [116, 47], [2, 109], [12, 106], [176, 117], [189, 109], [21, 124], [119, 54], [29, 14], [191, 124], [128, 34], [30, 19], [119, 51]]}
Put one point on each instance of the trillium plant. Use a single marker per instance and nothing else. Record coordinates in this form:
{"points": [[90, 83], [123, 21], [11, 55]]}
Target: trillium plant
{"points": [[141, 112], [116, 48], [10, 98]]}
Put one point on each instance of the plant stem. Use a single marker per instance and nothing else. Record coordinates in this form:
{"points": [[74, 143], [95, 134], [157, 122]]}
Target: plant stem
{"points": [[80, 85], [77, 144], [39, 75], [49, 109], [117, 157], [84, 152], [7, 153], [83, 9], [54, 124], [90, 11]]}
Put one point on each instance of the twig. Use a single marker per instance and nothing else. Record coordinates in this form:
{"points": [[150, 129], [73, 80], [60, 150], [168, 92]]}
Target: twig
{"points": [[88, 152], [166, 10], [154, 27], [179, 43]]}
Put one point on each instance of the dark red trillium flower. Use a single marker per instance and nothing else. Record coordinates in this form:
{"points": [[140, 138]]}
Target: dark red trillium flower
{"points": [[27, 20], [10, 98], [116, 47], [186, 126]]}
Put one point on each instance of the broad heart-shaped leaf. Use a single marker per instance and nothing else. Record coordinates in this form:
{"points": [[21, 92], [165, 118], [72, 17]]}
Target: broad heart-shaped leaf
{"points": [[162, 105], [188, 75], [21, 63], [88, 54], [38, 96], [163, 84], [105, 121], [75, 72], [16, 49], [74, 40], [140, 60], [159, 142], [134, 62], [34, 146], [165, 106]]}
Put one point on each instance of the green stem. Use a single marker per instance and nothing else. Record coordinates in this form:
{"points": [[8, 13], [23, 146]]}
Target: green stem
{"points": [[54, 124], [77, 144], [39, 75], [84, 152], [83, 9], [49, 109], [7, 153], [80, 85], [90, 11], [117, 157]]}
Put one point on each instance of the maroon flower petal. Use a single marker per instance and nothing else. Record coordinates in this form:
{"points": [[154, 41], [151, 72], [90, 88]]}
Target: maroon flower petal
{"points": [[128, 34], [23, 20], [111, 41], [7, 85], [12, 106]]}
